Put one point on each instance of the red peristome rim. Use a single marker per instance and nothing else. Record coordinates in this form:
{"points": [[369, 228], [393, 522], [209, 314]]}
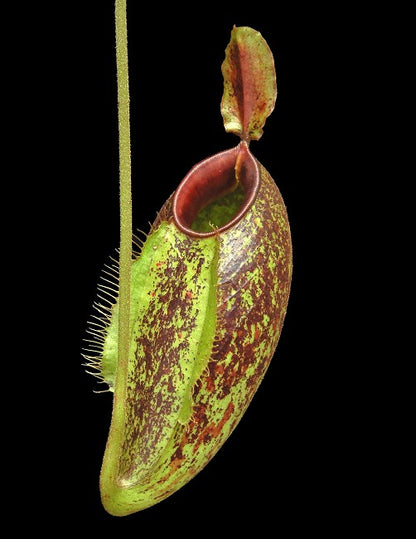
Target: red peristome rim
{"points": [[210, 179]]}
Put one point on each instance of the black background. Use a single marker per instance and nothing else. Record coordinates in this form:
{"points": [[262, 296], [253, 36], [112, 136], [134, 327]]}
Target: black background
{"points": [[299, 458]]}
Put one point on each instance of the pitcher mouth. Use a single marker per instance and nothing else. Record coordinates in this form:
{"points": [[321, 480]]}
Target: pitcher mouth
{"points": [[209, 181]]}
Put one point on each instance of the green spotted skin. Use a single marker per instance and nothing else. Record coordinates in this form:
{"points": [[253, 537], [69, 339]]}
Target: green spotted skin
{"points": [[206, 316]]}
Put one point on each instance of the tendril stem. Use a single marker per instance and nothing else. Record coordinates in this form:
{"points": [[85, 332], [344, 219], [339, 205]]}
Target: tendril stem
{"points": [[110, 463]]}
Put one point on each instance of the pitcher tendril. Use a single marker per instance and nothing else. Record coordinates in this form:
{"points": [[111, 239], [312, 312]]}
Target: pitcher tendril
{"points": [[196, 319], [126, 232], [126, 227]]}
